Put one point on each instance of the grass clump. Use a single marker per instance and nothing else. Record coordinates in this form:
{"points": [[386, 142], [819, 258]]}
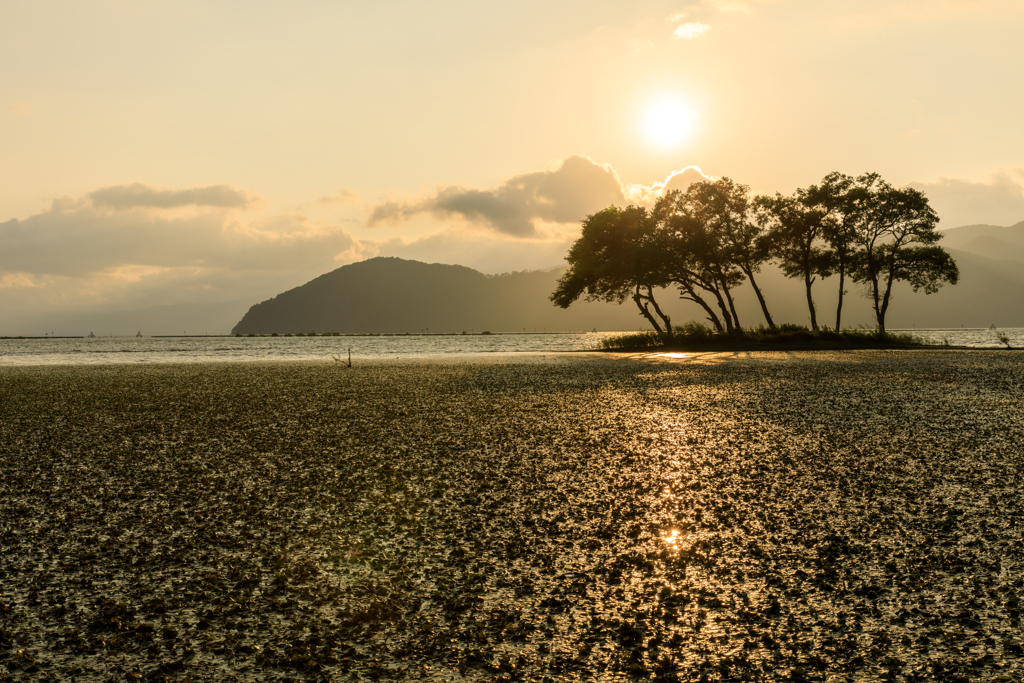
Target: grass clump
{"points": [[695, 335], [634, 340]]}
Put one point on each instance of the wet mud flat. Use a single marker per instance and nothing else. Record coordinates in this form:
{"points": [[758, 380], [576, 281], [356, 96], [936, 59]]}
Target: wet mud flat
{"points": [[818, 516]]}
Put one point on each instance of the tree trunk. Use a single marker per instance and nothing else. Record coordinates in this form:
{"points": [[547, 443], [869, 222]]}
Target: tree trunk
{"points": [[876, 304], [697, 299], [732, 308], [839, 308], [657, 309], [637, 298], [760, 299], [885, 302], [725, 311], [808, 281]]}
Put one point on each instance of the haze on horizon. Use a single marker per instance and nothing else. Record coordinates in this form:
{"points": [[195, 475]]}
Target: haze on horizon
{"points": [[170, 153]]}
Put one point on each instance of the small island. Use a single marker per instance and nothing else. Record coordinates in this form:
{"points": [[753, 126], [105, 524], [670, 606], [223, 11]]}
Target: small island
{"points": [[709, 239]]}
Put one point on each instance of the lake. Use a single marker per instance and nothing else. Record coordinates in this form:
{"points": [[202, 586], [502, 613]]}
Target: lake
{"points": [[107, 350]]}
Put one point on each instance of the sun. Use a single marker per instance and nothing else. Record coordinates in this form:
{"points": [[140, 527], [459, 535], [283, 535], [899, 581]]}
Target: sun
{"points": [[669, 123]]}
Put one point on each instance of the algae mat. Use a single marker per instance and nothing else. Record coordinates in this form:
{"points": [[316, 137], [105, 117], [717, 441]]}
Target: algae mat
{"points": [[805, 516]]}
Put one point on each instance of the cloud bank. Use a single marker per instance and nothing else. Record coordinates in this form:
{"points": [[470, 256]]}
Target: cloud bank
{"points": [[564, 193], [137, 245], [574, 188], [85, 240], [140, 195], [691, 29], [998, 201]]}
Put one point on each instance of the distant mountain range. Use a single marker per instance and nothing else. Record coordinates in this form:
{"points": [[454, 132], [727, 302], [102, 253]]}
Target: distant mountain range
{"points": [[392, 295], [170, 319], [990, 241]]}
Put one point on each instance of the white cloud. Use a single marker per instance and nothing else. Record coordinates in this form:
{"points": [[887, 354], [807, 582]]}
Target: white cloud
{"points": [[136, 246], [84, 240], [677, 180], [487, 253], [564, 193], [691, 29], [997, 201], [343, 196], [141, 195]]}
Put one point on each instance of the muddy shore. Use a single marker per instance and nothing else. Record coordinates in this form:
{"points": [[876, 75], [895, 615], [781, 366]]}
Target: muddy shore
{"points": [[819, 516]]}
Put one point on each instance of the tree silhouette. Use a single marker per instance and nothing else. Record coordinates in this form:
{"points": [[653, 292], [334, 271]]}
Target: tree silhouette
{"points": [[618, 255], [898, 241], [795, 226], [696, 257], [843, 202], [711, 238], [724, 208]]}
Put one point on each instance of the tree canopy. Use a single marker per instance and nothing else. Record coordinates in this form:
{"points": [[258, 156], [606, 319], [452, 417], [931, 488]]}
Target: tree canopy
{"points": [[711, 238]]}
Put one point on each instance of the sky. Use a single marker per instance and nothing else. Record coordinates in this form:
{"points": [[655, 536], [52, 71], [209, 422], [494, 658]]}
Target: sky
{"points": [[159, 152]]}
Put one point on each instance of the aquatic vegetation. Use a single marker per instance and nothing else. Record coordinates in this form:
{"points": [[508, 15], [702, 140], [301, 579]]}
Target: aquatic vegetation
{"points": [[805, 516], [695, 335]]}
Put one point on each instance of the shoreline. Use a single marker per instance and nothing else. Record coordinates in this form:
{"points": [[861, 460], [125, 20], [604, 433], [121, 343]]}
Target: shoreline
{"points": [[533, 356]]}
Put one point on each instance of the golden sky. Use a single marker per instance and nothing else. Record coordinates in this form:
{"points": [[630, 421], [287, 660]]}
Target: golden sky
{"points": [[169, 152]]}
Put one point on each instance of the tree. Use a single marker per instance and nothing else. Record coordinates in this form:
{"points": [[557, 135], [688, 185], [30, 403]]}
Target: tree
{"points": [[617, 256], [697, 258], [795, 226], [726, 208], [843, 202], [898, 241]]}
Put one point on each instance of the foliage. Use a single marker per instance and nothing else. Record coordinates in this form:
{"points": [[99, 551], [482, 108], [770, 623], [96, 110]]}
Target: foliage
{"points": [[897, 241], [616, 256], [697, 336], [709, 239], [688, 334], [713, 246], [634, 340]]}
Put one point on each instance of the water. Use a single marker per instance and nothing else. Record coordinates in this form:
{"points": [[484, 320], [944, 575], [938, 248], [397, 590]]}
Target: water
{"points": [[973, 337], [105, 350]]}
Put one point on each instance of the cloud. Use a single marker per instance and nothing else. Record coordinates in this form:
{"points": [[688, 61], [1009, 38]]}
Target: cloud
{"points": [[565, 193], [343, 196], [486, 253], [677, 180], [135, 246], [75, 238], [140, 195], [691, 29], [999, 201], [109, 251], [860, 16]]}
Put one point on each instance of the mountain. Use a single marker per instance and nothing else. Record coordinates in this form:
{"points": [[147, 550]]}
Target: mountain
{"points": [[991, 241], [392, 295], [212, 318]]}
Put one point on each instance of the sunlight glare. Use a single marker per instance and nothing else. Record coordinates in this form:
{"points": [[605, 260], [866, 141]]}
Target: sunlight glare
{"points": [[669, 122]]}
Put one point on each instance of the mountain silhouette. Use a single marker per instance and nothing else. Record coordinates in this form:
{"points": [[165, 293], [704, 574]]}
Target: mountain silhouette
{"points": [[392, 295]]}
